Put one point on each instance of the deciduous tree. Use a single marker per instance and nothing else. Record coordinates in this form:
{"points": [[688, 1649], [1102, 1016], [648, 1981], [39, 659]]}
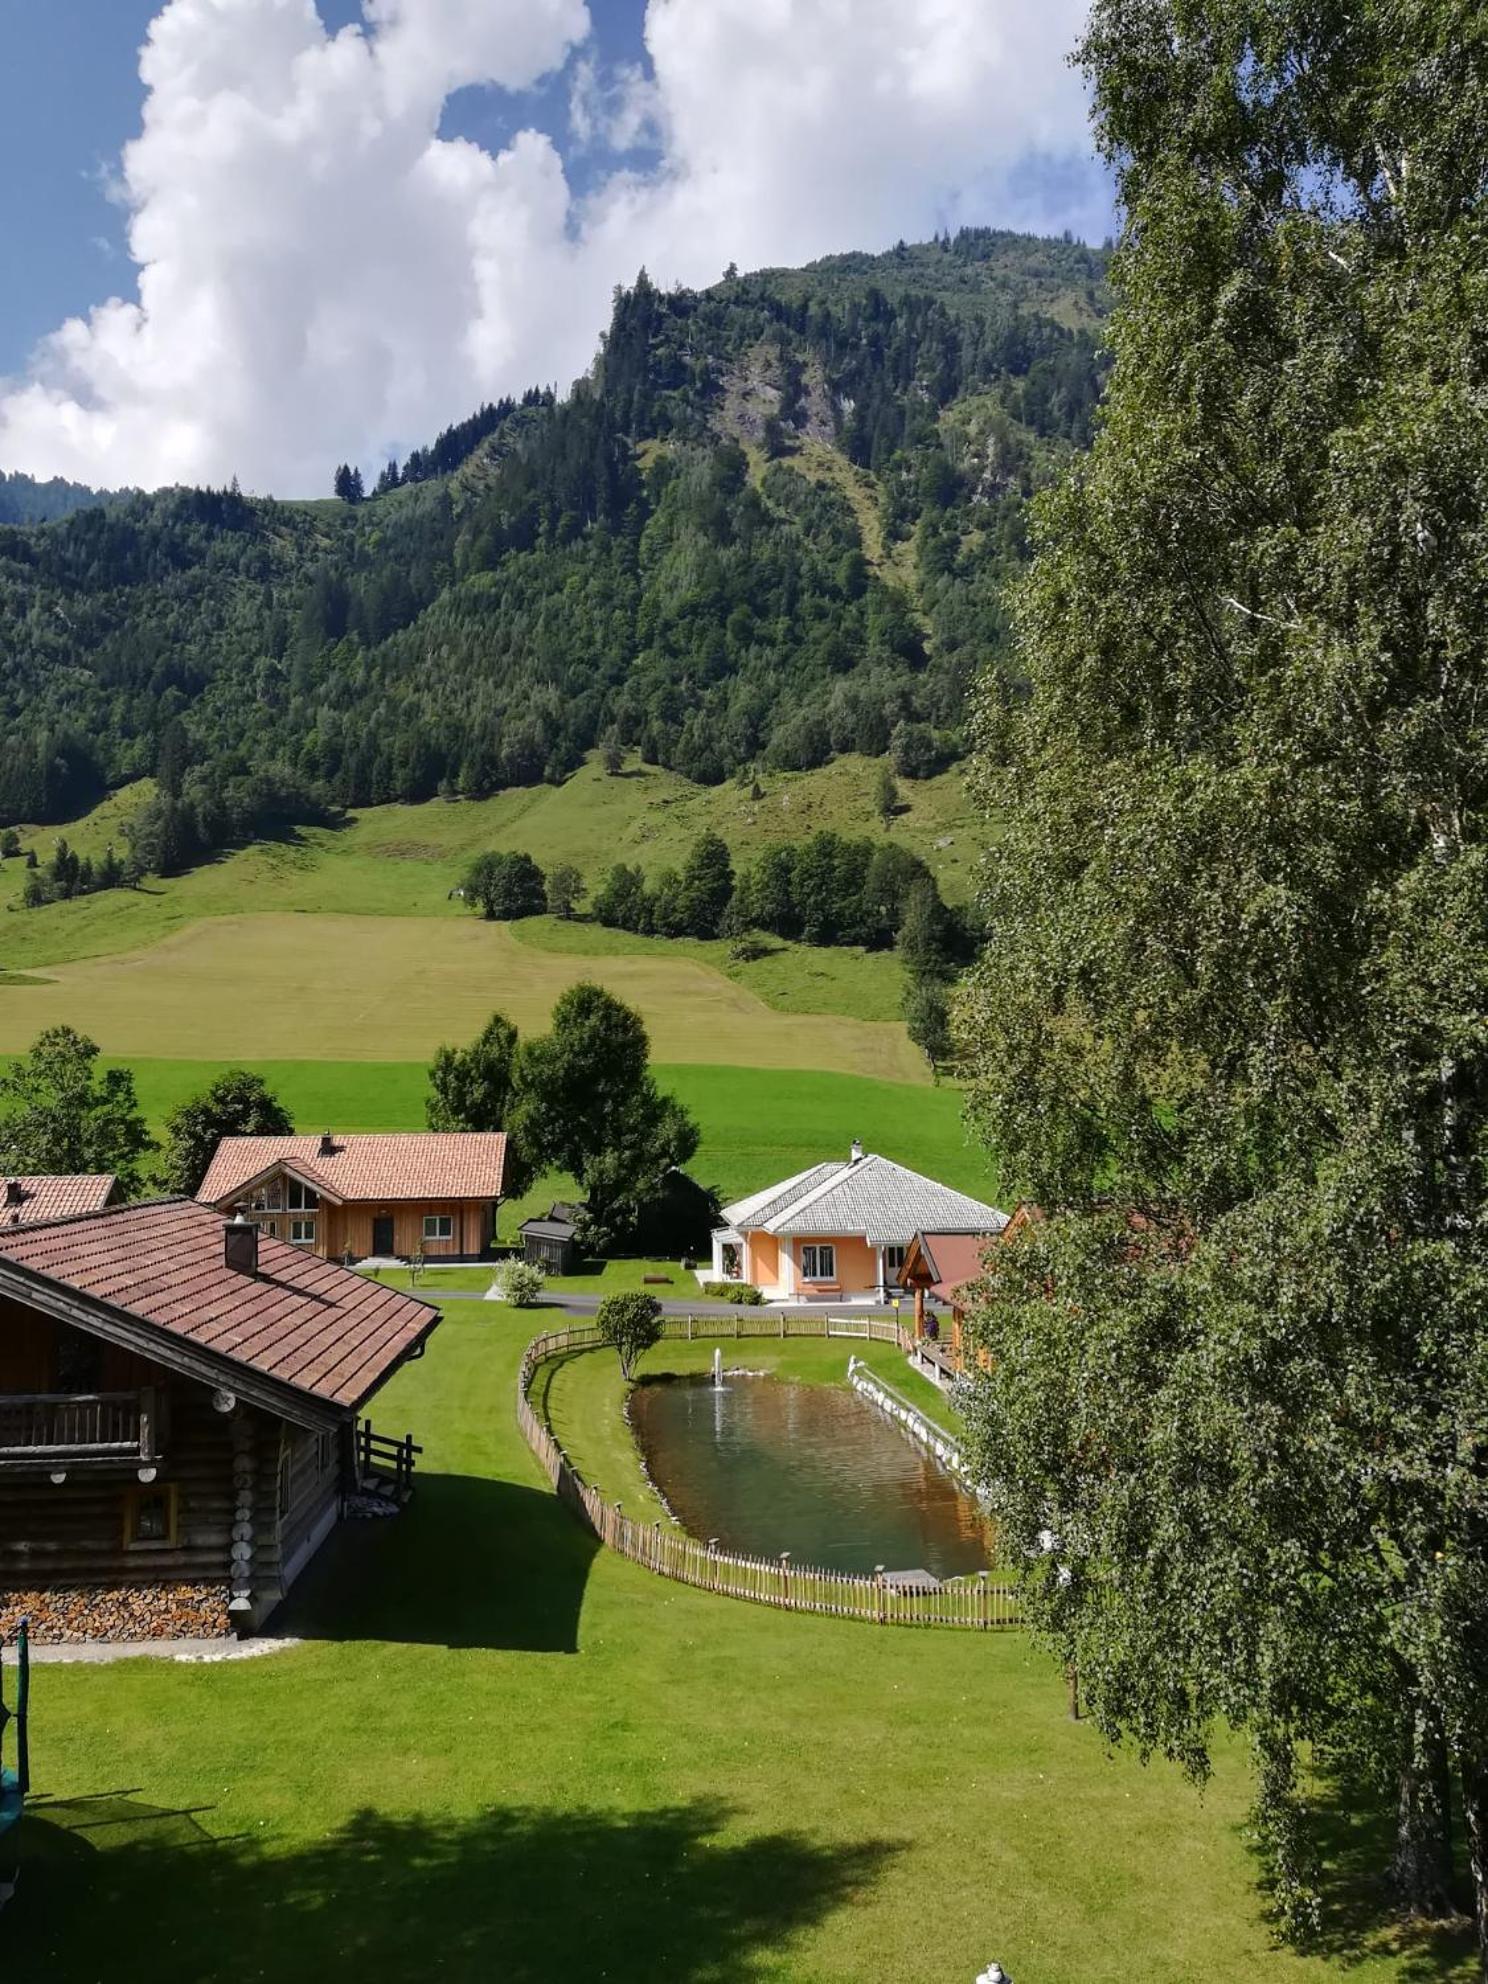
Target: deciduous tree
{"points": [[238, 1103], [59, 1112]]}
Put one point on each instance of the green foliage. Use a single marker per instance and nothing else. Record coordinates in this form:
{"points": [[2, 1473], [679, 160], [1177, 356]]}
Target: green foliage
{"points": [[885, 795], [60, 1113], [927, 1018], [588, 1104], [563, 888], [743, 1294], [474, 1088], [531, 590], [519, 1282], [237, 1103], [505, 886], [1228, 1029], [630, 1322]]}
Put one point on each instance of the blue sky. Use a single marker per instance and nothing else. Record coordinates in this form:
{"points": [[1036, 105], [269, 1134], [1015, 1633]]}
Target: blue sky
{"points": [[347, 243], [70, 101]]}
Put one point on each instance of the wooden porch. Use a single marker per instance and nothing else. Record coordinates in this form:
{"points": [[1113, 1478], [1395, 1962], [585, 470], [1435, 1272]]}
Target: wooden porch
{"points": [[79, 1428]]}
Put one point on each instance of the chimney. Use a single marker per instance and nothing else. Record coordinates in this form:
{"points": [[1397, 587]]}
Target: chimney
{"points": [[240, 1245], [15, 1192], [855, 1155], [327, 1144]]}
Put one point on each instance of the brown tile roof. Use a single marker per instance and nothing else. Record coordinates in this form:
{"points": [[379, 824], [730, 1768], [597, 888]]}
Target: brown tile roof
{"points": [[25, 1200], [415, 1164], [301, 1321]]}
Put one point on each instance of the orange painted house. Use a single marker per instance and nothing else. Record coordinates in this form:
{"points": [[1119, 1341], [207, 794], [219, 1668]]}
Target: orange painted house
{"points": [[430, 1192], [840, 1231]]}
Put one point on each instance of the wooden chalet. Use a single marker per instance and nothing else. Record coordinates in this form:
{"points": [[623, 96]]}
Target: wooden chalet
{"points": [[179, 1416], [434, 1193]]}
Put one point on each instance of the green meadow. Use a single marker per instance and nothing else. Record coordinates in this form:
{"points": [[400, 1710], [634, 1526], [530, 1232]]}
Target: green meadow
{"points": [[757, 1125], [498, 1753]]}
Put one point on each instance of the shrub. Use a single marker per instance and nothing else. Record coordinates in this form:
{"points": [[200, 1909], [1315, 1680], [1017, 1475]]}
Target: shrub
{"points": [[744, 1293], [631, 1322], [520, 1282]]}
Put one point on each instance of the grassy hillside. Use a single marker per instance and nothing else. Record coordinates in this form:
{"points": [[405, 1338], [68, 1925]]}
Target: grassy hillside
{"points": [[404, 860]]}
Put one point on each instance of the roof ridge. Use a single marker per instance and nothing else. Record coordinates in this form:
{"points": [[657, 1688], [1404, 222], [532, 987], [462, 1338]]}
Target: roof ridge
{"points": [[97, 1212]]}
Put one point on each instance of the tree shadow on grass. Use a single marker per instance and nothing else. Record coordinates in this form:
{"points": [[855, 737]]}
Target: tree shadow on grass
{"points": [[1354, 1831], [470, 1562], [525, 1895]]}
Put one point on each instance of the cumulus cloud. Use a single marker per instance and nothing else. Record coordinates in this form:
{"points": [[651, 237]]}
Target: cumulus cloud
{"points": [[321, 275]]}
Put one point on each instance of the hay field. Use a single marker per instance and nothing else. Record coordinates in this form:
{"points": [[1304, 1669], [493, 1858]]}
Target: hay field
{"points": [[384, 988]]}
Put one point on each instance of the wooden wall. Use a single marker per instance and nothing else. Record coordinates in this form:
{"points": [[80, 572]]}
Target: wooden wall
{"points": [[348, 1229], [73, 1532]]}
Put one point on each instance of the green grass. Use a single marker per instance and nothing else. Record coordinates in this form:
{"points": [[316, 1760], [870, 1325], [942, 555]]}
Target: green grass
{"points": [[664, 1278], [382, 988], [500, 1754], [403, 860], [757, 1125]]}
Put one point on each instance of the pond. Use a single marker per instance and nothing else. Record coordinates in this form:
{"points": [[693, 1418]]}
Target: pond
{"points": [[766, 1465]]}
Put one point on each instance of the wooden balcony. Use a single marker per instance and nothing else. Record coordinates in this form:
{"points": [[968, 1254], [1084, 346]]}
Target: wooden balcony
{"points": [[57, 1429]]}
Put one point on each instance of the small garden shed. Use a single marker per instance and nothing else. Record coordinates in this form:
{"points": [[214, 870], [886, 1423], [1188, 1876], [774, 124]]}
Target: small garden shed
{"points": [[552, 1243]]}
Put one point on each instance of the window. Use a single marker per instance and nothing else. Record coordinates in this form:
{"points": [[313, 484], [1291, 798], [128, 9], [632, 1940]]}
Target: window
{"points": [[439, 1226], [301, 1198], [150, 1518], [79, 1362], [268, 1198], [818, 1263], [302, 1232], [893, 1260], [269, 1226], [731, 1260], [325, 1452]]}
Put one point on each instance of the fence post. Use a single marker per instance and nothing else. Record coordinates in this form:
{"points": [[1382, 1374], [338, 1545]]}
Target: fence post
{"points": [[785, 1577], [713, 1561], [879, 1593], [689, 1326]]}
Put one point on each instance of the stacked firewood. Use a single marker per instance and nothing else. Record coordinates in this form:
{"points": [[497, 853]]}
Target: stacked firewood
{"points": [[69, 1614]]}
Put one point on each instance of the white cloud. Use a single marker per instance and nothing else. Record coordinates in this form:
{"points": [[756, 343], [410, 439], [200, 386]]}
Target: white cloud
{"points": [[321, 276]]}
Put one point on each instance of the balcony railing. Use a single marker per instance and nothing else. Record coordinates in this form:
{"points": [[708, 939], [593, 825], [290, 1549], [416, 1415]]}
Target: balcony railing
{"points": [[77, 1426]]}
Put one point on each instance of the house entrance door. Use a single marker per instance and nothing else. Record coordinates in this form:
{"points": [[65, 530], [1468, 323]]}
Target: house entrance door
{"points": [[382, 1235]]}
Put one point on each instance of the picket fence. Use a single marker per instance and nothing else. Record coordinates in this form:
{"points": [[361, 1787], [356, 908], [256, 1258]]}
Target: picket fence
{"points": [[981, 1602]]}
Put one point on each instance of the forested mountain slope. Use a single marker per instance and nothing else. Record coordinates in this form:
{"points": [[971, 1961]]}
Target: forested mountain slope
{"points": [[773, 524]]}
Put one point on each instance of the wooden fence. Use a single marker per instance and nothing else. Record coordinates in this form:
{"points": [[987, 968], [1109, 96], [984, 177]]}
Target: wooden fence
{"points": [[981, 1601]]}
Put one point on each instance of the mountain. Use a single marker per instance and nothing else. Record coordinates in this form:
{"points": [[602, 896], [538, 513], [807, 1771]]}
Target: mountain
{"points": [[24, 500], [774, 523]]}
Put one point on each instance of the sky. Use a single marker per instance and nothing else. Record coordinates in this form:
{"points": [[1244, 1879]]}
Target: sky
{"points": [[258, 237]]}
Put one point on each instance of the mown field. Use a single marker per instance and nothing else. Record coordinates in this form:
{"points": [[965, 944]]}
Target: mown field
{"points": [[498, 1754], [346, 944], [757, 1125]]}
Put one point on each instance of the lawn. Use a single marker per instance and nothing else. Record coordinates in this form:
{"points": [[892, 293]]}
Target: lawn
{"points": [[601, 1278], [758, 1125], [501, 1755]]}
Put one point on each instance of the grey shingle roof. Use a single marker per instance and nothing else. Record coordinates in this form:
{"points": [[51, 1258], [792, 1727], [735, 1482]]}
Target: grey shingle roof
{"points": [[886, 1203]]}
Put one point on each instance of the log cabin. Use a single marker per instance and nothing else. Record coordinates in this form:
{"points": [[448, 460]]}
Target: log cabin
{"points": [[348, 1198], [179, 1417]]}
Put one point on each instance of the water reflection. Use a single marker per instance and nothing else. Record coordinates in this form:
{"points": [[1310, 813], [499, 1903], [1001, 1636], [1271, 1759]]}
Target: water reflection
{"points": [[767, 1465]]}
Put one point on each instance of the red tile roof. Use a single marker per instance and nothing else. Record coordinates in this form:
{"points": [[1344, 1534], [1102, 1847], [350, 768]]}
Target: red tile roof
{"points": [[416, 1164], [301, 1321], [25, 1200]]}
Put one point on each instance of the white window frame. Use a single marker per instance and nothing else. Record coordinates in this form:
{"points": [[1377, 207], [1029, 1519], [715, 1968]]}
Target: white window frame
{"points": [[894, 1268], [300, 1197], [819, 1260], [302, 1232], [439, 1226]]}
